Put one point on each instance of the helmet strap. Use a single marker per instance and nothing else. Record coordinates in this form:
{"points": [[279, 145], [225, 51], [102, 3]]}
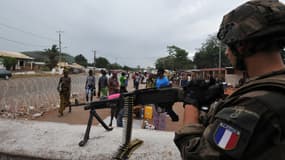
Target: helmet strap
{"points": [[239, 65]]}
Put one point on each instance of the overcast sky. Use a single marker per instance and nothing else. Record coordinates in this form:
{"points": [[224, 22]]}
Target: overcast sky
{"points": [[129, 32]]}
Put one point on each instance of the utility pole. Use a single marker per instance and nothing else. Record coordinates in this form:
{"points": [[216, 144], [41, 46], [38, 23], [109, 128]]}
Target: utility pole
{"points": [[94, 58], [59, 43]]}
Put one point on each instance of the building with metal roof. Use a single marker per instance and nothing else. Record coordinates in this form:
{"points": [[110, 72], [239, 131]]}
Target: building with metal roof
{"points": [[16, 55], [22, 60]]}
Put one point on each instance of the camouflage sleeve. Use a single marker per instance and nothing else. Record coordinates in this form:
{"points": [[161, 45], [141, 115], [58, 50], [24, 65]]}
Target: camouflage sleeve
{"points": [[192, 144], [233, 134]]}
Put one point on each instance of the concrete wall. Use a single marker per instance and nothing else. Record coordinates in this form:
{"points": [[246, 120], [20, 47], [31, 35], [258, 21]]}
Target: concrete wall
{"points": [[45, 140]]}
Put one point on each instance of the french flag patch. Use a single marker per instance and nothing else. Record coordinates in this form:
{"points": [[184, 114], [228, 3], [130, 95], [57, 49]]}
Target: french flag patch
{"points": [[226, 137]]}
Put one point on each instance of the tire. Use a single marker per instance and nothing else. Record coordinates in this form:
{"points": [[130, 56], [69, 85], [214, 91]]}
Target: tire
{"points": [[7, 77]]}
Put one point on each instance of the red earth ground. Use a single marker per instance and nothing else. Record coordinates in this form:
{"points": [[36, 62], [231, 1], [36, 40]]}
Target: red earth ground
{"points": [[80, 116]]}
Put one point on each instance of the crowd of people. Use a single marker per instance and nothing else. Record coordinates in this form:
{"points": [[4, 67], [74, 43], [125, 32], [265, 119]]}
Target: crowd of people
{"points": [[112, 83]]}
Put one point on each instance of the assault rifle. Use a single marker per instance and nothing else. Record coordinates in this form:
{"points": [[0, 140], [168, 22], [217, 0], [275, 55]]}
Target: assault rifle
{"points": [[128, 101]]}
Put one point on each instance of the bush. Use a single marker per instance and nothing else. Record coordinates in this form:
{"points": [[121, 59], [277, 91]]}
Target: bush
{"points": [[9, 62], [45, 68]]}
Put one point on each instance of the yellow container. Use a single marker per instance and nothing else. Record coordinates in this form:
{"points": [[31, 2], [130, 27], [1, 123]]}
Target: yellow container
{"points": [[148, 112]]}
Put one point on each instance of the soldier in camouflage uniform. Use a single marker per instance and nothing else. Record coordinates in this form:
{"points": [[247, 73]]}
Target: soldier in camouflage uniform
{"points": [[64, 87], [249, 124]]}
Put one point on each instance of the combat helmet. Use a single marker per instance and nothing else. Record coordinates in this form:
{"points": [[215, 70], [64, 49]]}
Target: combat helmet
{"points": [[254, 20]]}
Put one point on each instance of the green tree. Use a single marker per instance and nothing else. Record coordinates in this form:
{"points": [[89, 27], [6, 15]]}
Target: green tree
{"points": [[80, 59], [102, 62], [114, 66], [176, 60], [180, 61], [127, 68], [9, 62], [208, 55], [52, 54], [165, 62], [67, 58]]}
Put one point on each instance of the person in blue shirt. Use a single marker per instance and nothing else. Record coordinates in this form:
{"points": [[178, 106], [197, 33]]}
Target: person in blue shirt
{"points": [[162, 81]]}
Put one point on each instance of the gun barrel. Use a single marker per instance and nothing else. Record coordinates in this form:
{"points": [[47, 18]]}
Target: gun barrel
{"points": [[161, 95], [142, 97], [101, 104]]}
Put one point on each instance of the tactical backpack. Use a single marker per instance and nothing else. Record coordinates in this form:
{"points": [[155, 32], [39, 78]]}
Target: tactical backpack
{"points": [[272, 84]]}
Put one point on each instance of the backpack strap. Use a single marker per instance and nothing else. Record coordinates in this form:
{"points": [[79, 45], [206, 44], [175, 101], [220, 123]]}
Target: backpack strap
{"points": [[276, 83]]}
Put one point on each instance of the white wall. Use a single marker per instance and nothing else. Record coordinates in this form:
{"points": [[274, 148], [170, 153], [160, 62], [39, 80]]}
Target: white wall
{"points": [[1, 63], [233, 79]]}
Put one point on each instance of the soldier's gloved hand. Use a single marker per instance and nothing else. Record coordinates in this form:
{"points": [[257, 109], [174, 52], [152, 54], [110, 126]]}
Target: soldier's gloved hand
{"points": [[191, 100]]}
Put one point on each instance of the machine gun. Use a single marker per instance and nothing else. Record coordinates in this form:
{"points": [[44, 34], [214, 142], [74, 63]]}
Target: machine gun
{"points": [[128, 101]]}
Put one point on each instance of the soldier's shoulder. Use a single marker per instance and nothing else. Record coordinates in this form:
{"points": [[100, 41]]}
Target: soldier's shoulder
{"points": [[234, 124]]}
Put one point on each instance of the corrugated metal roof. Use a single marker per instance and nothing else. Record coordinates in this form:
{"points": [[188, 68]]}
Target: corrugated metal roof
{"points": [[75, 65], [62, 64], [212, 69], [14, 55]]}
